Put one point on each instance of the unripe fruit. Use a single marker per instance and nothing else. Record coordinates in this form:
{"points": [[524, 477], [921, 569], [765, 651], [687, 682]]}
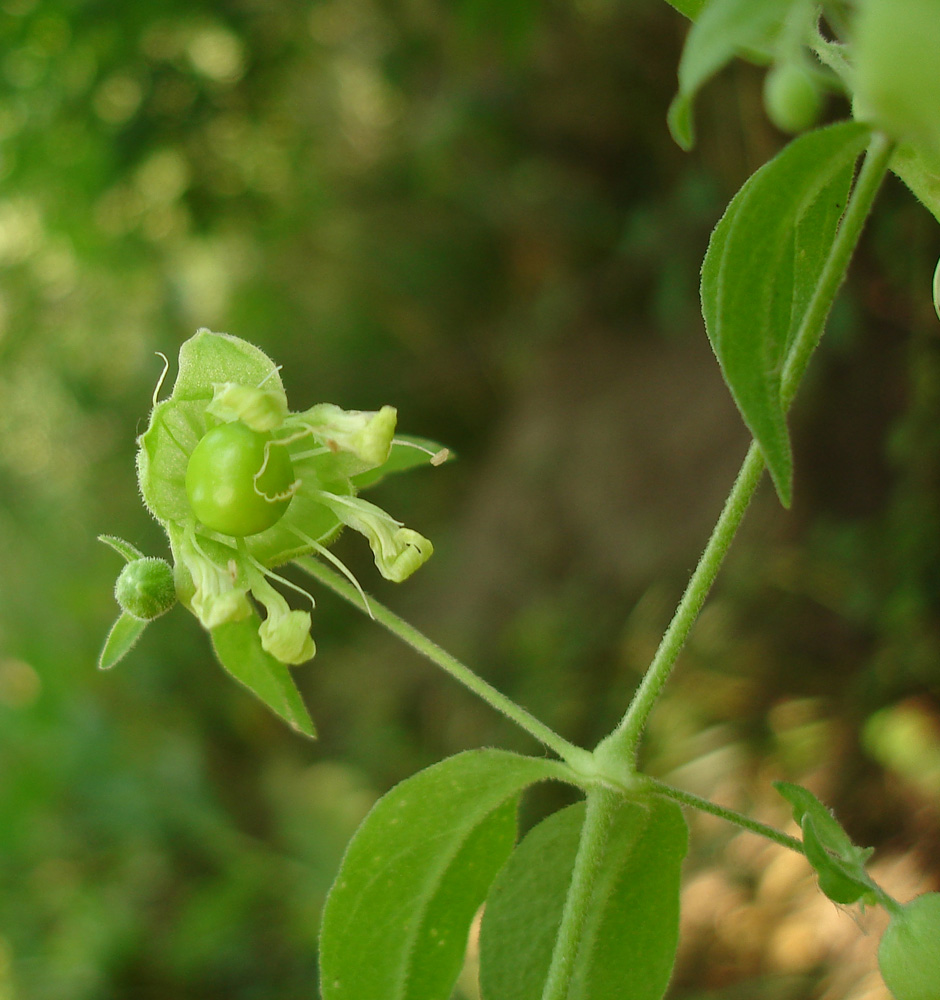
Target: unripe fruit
{"points": [[909, 954], [239, 482], [791, 98], [145, 588], [897, 60]]}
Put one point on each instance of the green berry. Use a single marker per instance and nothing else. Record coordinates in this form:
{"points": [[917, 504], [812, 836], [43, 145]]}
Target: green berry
{"points": [[909, 954], [239, 481], [145, 588], [792, 98]]}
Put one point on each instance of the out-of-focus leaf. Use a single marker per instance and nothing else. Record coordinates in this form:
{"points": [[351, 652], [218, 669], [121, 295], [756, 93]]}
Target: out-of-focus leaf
{"points": [[690, 8], [921, 174], [724, 29], [629, 943]]}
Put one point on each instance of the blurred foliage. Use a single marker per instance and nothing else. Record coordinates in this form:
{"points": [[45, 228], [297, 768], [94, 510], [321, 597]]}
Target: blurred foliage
{"points": [[474, 212]]}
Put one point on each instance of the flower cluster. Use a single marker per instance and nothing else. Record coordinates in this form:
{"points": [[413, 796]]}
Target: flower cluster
{"points": [[242, 485]]}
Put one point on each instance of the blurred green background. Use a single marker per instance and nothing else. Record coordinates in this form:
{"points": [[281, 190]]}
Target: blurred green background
{"points": [[472, 211]]}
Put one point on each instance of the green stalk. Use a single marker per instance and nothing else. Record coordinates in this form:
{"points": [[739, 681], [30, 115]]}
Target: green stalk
{"points": [[589, 861], [577, 757], [732, 816], [621, 745]]}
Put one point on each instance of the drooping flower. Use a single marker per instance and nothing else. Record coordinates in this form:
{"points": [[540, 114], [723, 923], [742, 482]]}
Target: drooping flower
{"points": [[242, 485]]}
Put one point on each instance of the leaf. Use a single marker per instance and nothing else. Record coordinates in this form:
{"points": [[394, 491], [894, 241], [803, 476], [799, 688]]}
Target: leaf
{"points": [[724, 28], [839, 863], [760, 271], [208, 359], [629, 943], [238, 647], [121, 640], [407, 453], [396, 921]]}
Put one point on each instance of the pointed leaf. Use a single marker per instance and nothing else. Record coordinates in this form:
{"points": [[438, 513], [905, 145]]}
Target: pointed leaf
{"points": [[125, 549], [396, 921], [238, 647], [208, 359], [842, 880], [121, 639], [724, 28], [629, 943], [839, 863], [760, 270]]}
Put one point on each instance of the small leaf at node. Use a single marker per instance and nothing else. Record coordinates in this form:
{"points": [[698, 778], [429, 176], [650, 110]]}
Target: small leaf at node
{"points": [[238, 646], [121, 639]]}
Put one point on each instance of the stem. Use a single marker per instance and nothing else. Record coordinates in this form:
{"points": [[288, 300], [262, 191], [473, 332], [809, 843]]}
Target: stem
{"points": [[739, 819], [408, 633], [588, 862], [623, 741]]}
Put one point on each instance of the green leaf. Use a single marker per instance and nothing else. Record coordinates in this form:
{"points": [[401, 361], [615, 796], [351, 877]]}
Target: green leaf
{"points": [[208, 359], [724, 29], [839, 863], [629, 943], [396, 921], [760, 271], [121, 639], [238, 647], [407, 453]]}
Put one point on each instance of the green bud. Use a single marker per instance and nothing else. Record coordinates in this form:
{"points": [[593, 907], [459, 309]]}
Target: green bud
{"points": [[897, 80], [909, 954], [145, 588], [792, 98]]}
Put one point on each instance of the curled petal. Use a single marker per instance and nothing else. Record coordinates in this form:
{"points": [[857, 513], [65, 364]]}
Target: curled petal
{"points": [[398, 550], [260, 409], [285, 634], [366, 434], [216, 597]]}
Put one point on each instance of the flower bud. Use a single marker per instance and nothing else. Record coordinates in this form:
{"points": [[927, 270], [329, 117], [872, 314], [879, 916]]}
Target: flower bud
{"points": [[145, 588]]}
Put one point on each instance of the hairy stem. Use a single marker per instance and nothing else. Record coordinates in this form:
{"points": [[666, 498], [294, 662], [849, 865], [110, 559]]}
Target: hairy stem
{"points": [[589, 861], [574, 755], [622, 743], [807, 336]]}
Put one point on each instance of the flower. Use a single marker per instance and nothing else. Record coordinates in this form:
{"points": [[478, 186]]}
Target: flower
{"points": [[242, 485]]}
